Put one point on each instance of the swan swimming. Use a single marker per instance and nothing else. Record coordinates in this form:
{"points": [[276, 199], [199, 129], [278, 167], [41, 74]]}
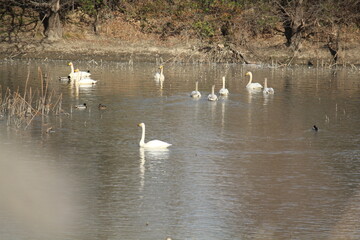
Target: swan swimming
{"points": [[223, 91], [251, 85], [76, 73], [212, 96], [159, 76], [266, 89], [153, 144], [85, 81], [196, 93]]}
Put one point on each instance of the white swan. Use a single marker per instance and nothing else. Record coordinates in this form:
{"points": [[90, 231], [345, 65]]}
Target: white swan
{"points": [[251, 85], [159, 76], [212, 96], [85, 81], [153, 143], [223, 91], [76, 73], [195, 93], [266, 89]]}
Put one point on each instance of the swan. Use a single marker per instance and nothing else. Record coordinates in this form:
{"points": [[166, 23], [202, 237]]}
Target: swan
{"points": [[223, 91], [153, 143], [315, 128], [81, 106], [266, 89], [212, 96], [196, 93], [85, 81], [159, 76], [76, 73], [251, 85]]}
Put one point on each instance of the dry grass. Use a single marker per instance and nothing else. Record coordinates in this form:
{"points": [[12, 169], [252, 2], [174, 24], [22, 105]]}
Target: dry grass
{"points": [[21, 109]]}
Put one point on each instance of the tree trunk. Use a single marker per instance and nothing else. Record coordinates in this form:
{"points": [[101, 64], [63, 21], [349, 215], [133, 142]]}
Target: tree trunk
{"points": [[52, 23], [333, 43], [294, 24]]}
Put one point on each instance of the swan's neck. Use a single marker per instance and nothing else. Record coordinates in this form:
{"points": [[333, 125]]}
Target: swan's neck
{"points": [[265, 83], [250, 75], [223, 82], [72, 68], [161, 71], [142, 140], [196, 86], [213, 90]]}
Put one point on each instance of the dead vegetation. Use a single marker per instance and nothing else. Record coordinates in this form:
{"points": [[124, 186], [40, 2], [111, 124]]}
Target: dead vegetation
{"points": [[292, 32], [20, 109]]}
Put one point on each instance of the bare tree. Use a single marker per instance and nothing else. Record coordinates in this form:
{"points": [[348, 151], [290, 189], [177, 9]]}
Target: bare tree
{"points": [[292, 13], [48, 12]]}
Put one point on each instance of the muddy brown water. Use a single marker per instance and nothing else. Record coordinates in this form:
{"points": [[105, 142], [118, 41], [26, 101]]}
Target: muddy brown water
{"points": [[248, 166]]}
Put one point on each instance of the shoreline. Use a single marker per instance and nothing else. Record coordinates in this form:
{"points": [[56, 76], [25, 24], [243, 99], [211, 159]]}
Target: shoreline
{"points": [[146, 51]]}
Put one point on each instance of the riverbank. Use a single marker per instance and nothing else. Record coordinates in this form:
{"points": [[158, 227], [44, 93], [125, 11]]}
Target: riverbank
{"points": [[272, 51]]}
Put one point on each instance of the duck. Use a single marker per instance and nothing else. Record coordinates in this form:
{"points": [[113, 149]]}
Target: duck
{"points": [[159, 76], [77, 73], [223, 91], [266, 89], [64, 79], [81, 106], [212, 96], [153, 144], [315, 128], [251, 85], [195, 93], [101, 106]]}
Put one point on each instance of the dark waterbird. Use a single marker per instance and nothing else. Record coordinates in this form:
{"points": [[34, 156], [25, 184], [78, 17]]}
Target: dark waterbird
{"points": [[101, 106]]}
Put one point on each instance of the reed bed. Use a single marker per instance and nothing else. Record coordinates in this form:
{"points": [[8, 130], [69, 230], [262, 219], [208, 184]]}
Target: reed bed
{"points": [[20, 109]]}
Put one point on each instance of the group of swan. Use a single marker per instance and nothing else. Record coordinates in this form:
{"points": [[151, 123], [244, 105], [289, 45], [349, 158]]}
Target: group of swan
{"points": [[224, 91], [212, 96], [80, 77], [159, 76], [257, 86]]}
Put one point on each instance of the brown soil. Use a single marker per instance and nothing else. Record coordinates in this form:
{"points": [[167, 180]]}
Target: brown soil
{"points": [[129, 44]]}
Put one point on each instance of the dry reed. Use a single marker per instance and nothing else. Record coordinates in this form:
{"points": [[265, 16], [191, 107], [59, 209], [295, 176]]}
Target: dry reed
{"points": [[21, 109]]}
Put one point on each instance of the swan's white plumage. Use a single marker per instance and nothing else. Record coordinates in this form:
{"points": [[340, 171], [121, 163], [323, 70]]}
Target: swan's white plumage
{"points": [[195, 93], [266, 89], [77, 74], [86, 81], [224, 91], [153, 143], [159, 76], [251, 85], [212, 96]]}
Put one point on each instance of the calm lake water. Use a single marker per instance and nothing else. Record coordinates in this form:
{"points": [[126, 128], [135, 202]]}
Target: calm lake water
{"points": [[248, 166]]}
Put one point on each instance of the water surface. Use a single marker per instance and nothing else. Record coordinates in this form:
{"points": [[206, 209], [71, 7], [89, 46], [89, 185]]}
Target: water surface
{"points": [[245, 167]]}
